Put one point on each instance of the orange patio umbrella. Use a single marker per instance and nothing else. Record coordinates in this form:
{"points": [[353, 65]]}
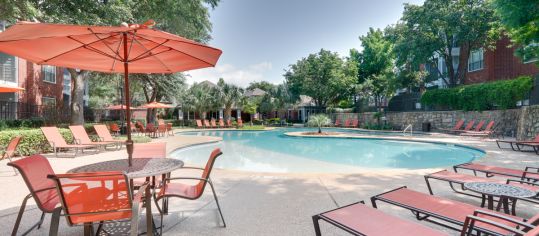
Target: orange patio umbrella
{"points": [[9, 89], [124, 49], [156, 105], [121, 107]]}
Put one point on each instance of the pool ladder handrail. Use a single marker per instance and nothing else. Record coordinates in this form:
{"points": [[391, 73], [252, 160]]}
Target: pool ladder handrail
{"points": [[410, 126]]}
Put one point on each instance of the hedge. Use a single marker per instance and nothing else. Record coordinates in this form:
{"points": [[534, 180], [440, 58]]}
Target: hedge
{"points": [[24, 123], [33, 141], [502, 94]]}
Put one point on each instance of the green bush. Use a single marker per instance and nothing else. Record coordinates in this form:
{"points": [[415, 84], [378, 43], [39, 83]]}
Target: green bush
{"points": [[479, 97], [33, 141]]}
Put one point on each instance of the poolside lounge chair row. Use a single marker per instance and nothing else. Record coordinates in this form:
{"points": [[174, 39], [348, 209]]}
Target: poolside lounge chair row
{"points": [[82, 140], [211, 124], [358, 219], [470, 130], [348, 123]]}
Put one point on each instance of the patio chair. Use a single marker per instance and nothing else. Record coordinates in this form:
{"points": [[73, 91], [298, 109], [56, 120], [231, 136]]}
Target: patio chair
{"points": [[221, 123], [115, 129], [81, 137], [359, 219], [207, 124], [11, 149], [170, 130], [529, 173], [160, 122], [199, 124], [355, 123], [448, 213], [89, 198], [337, 122], [140, 127], [105, 136], [190, 192], [458, 126], [149, 150], [161, 130], [213, 124], [468, 127], [514, 144], [347, 123], [488, 131], [150, 130], [34, 170], [228, 123], [239, 123], [460, 179], [57, 142]]}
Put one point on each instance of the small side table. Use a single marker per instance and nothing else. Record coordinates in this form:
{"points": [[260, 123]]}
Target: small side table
{"points": [[505, 192]]}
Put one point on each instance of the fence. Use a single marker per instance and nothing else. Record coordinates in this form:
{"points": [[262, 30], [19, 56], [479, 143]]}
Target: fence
{"points": [[19, 110]]}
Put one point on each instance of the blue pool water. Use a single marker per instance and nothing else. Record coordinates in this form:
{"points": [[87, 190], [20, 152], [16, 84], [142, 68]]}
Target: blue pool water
{"points": [[272, 151]]}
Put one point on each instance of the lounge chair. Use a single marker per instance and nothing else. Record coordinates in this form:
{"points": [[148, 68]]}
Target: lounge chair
{"points": [[81, 137], [359, 219], [11, 149], [199, 124], [221, 123], [467, 128], [529, 173], [213, 124], [189, 192], [483, 133], [337, 122], [448, 213], [170, 130], [57, 142], [460, 179], [96, 197], [355, 123], [207, 124], [104, 135], [346, 123], [34, 170], [458, 126], [228, 123], [240, 123]]}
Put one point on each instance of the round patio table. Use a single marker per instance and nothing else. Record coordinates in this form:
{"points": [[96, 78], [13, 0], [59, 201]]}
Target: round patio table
{"points": [[505, 192]]}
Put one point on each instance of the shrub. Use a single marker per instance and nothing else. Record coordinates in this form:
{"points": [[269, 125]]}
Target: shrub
{"points": [[478, 97], [33, 141]]}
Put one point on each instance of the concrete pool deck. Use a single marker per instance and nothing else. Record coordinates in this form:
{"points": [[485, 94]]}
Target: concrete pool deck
{"points": [[265, 203]]}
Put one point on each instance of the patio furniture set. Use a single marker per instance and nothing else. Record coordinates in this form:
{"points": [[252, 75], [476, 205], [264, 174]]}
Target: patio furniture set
{"points": [[162, 129], [470, 130], [211, 124], [348, 123], [108, 191], [359, 219]]}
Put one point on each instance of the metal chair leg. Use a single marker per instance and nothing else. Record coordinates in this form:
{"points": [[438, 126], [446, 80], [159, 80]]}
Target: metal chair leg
{"points": [[55, 221], [217, 202], [41, 220], [19, 216]]}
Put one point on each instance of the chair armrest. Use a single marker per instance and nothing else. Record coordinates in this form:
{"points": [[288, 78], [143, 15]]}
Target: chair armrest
{"points": [[470, 221], [524, 175], [523, 181], [531, 168], [191, 167], [502, 217], [186, 178]]}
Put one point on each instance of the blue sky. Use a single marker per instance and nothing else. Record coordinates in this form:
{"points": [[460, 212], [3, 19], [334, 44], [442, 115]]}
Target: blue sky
{"points": [[261, 38]]}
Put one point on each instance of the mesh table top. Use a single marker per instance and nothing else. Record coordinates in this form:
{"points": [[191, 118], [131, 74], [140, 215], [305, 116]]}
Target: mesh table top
{"points": [[142, 167], [497, 189]]}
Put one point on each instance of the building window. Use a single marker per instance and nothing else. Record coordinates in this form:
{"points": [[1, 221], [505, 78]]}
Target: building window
{"points": [[8, 68], [67, 83], [48, 101], [49, 73], [475, 62]]}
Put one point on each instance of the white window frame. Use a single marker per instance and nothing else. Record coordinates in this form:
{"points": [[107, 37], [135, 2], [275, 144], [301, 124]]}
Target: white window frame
{"points": [[44, 73], [482, 61], [43, 99]]}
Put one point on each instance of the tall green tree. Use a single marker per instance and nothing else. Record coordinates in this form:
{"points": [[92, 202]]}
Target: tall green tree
{"points": [[375, 66], [189, 20], [324, 76], [433, 29], [201, 98], [263, 85], [228, 95], [520, 20]]}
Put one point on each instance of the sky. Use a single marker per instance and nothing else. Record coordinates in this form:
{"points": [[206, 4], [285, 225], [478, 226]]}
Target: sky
{"points": [[261, 38]]}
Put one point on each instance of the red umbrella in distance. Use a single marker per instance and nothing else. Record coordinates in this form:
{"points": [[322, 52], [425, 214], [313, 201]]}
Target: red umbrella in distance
{"points": [[125, 49], [156, 105]]}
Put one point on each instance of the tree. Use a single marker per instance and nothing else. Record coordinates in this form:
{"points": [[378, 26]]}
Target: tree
{"points": [[375, 66], [431, 31], [228, 95], [250, 107], [319, 120], [189, 20], [324, 76], [263, 85], [200, 97], [520, 20]]}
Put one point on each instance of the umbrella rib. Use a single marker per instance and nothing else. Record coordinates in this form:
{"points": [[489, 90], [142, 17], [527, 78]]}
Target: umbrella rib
{"points": [[159, 60], [183, 52], [100, 39], [63, 53], [118, 53], [149, 55], [149, 51]]}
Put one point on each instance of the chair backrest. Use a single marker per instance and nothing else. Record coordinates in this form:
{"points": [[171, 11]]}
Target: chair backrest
{"points": [[213, 123], [489, 126], [221, 123], [479, 126], [459, 125], [150, 150], [114, 127], [53, 135], [103, 132], [469, 125], [206, 123], [355, 122], [347, 122], [169, 126], [207, 169], [85, 195], [337, 122], [12, 147], [79, 133], [199, 123], [228, 123], [162, 128], [34, 170]]}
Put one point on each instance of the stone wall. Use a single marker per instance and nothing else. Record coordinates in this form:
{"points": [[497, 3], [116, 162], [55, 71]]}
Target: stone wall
{"points": [[520, 123]]}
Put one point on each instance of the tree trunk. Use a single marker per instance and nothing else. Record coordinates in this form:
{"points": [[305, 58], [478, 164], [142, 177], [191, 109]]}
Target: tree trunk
{"points": [[319, 130], [228, 113], [77, 96]]}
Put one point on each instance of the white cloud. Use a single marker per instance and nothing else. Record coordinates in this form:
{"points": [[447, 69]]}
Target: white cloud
{"points": [[238, 76]]}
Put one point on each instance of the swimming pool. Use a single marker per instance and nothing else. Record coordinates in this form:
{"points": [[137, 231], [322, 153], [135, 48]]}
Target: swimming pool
{"points": [[273, 151]]}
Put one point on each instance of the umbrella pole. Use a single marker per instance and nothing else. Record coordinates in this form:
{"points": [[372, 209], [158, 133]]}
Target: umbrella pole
{"points": [[129, 142]]}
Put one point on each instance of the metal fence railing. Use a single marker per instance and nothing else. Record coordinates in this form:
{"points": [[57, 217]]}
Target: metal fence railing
{"points": [[19, 110]]}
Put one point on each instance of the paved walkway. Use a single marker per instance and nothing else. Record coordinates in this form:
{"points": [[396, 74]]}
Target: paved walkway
{"points": [[263, 203]]}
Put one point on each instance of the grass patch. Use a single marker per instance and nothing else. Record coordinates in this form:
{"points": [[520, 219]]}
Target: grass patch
{"points": [[136, 139], [253, 127]]}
